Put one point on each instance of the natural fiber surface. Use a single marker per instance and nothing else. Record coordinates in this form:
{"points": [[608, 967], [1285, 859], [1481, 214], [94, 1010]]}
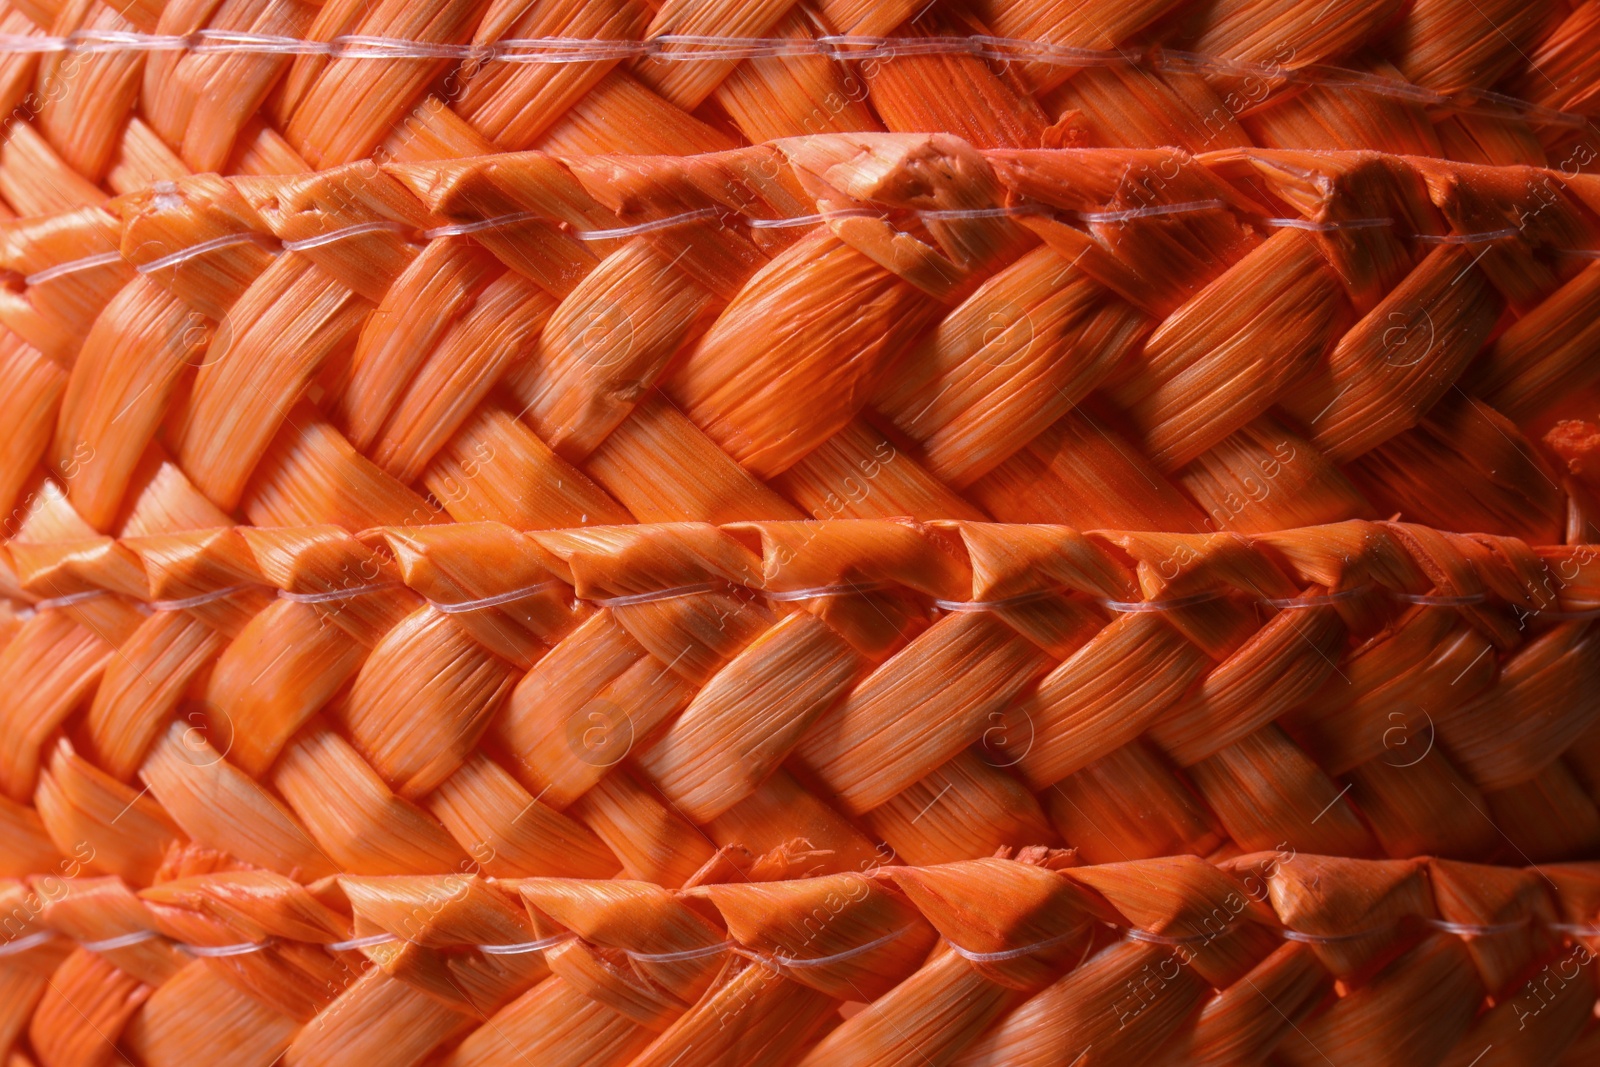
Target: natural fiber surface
{"points": [[112, 96], [1301, 958], [408, 380], [477, 605], [949, 691], [846, 326]]}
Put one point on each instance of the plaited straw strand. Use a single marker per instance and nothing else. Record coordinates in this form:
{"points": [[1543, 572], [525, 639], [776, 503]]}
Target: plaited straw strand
{"points": [[1035, 959], [841, 48], [1139, 339], [102, 99], [768, 681], [1412, 664]]}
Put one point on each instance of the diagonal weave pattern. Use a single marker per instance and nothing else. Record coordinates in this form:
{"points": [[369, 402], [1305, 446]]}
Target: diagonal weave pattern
{"points": [[655, 699], [1251, 341], [408, 379], [103, 97], [432, 634], [986, 962], [181, 414]]}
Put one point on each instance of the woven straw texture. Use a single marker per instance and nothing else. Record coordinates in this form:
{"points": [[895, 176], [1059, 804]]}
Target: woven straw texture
{"points": [[995, 962], [114, 96], [730, 533]]}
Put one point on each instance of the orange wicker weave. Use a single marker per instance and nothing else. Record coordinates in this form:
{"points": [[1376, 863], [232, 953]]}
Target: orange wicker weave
{"points": [[705, 534], [114, 95]]}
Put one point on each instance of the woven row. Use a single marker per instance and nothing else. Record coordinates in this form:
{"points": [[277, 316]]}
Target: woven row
{"points": [[111, 97], [635, 698], [1017, 962], [841, 326]]}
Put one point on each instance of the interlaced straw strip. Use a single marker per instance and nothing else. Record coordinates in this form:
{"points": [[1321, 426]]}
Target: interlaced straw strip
{"points": [[687, 218], [102, 100], [1334, 621], [1410, 376], [24, 609], [682, 48], [1128, 958], [1463, 930]]}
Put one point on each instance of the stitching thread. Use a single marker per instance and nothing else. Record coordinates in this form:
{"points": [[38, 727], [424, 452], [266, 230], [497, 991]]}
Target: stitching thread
{"points": [[1125, 607], [1467, 931], [274, 246], [680, 48]]}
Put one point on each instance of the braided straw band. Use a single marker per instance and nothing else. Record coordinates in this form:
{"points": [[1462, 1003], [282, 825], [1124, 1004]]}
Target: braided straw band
{"points": [[105, 97], [1246, 341], [1030, 960], [634, 697]]}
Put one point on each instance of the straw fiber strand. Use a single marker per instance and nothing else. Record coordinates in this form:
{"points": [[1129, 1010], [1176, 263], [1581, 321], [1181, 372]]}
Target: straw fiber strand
{"points": [[1035, 959], [664, 535], [652, 682], [1139, 339], [107, 98]]}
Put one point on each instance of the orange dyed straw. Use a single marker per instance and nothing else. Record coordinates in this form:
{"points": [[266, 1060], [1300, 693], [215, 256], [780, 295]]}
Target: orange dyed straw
{"points": [[688, 535]]}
